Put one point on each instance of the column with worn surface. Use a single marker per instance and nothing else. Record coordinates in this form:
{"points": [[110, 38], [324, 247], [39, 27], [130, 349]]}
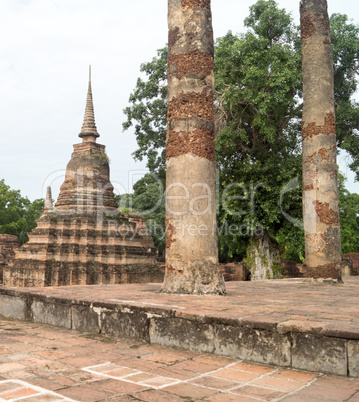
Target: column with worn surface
{"points": [[320, 187], [191, 238]]}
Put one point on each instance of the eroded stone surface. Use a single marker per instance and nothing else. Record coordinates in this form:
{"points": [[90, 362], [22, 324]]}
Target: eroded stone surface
{"points": [[191, 239], [320, 188], [262, 346], [318, 353], [174, 332], [353, 358], [8, 245]]}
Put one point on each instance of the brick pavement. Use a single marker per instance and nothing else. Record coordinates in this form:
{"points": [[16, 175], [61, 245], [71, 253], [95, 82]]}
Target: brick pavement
{"points": [[289, 323], [43, 363]]}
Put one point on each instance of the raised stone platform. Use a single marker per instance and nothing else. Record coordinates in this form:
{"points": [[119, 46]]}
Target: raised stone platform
{"points": [[289, 323]]}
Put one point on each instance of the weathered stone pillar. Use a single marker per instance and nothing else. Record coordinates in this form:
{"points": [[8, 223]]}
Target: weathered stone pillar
{"points": [[49, 206], [320, 188], [191, 238]]}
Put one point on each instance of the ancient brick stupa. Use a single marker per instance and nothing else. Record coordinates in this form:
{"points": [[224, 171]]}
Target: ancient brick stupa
{"points": [[84, 239]]}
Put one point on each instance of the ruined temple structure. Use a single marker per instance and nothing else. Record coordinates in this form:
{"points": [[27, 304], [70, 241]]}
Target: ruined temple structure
{"points": [[8, 245], [84, 239]]}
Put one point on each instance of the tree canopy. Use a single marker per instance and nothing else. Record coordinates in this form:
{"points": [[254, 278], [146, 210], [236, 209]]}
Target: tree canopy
{"points": [[147, 200], [18, 214], [148, 113], [349, 218], [258, 99]]}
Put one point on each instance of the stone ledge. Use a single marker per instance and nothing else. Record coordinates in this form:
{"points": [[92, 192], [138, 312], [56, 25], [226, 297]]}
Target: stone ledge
{"points": [[277, 338]]}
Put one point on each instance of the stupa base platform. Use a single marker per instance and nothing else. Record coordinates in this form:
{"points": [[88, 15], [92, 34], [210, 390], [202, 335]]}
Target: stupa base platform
{"points": [[73, 249], [288, 323]]}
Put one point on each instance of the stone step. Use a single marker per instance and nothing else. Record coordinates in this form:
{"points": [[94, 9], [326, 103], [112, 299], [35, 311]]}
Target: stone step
{"points": [[289, 323]]}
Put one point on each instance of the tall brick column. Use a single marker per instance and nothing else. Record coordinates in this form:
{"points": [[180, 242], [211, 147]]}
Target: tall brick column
{"points": [[191, 239], [320, 187]]}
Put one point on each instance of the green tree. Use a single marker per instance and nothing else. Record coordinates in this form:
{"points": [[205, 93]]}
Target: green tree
{"points": [[345, 45], [148, 113], [148, 201], [18, 214], [258, 97], [124, 202], [349, 221], [258, 91]]}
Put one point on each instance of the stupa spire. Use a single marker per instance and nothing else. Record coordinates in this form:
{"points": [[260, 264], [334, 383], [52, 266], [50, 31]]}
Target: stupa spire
{"points": [[89, 130], [48, 200]]}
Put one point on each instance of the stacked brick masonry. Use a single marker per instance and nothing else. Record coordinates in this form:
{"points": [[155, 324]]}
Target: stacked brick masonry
{"points": [[78, 250], [354, 257], [87, 185], [8, 245]]}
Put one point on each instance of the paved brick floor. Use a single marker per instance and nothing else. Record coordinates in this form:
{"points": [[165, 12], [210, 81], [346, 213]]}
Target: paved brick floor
{"points": [[43, 363], [331, 310]]}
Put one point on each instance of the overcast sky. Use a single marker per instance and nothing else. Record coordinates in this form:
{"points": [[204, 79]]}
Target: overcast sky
{"points": [[45, 51]]}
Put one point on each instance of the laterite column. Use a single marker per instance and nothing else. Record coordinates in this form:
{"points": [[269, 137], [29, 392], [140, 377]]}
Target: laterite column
{"points": [[320, 187], [191, 238]]}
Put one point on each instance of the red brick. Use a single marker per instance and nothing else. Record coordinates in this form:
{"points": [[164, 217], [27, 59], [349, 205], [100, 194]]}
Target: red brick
{"points": [[214, 360], [258, 392], [175, 373], [195, 366], [120, 387], [228, 398], [6, 367], [18, 393], [294, 375], [7, 386], [85, 393], [79, 361], [163, 358], [157, 396], [253, 368], [212, 382], [236, 375], [189, 391], [278, 383]]}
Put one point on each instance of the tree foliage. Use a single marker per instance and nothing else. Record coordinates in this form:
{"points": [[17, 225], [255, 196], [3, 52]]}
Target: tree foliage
{"points": [[147, 200], [345, 43], [148, 113], [124, 202], [258, 99], [349, 218], [18, 214], [258, 89]]}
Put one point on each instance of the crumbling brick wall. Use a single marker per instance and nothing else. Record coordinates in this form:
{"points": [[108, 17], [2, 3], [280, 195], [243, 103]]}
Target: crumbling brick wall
{"points": [[355, 260], [234, 272], [292, 269], [8, 245]]}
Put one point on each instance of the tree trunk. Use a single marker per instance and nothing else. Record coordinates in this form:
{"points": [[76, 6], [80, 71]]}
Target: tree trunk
{"points": [[320, 187], [263, 259], [191, 238]]}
